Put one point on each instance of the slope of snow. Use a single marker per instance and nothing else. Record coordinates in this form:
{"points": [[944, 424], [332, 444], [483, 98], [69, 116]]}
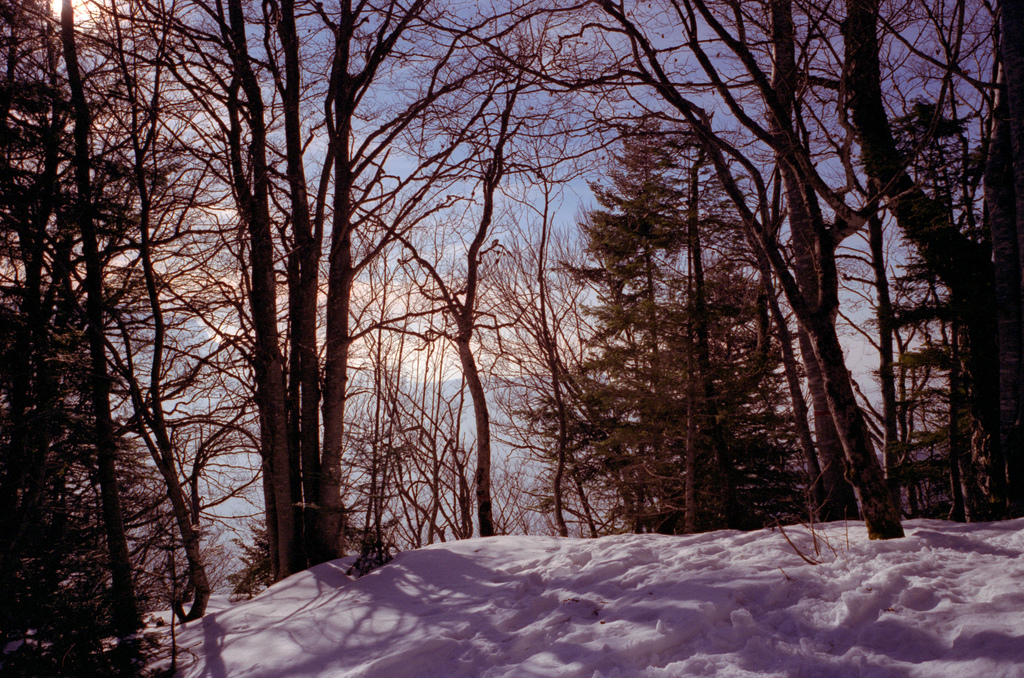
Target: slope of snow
{"points": [[948, 600]]}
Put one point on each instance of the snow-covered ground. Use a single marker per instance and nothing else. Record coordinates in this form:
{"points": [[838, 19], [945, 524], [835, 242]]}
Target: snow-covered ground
{"points": [[946, 601]]}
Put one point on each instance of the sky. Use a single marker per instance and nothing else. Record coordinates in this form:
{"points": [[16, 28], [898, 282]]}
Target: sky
{"points": [[944, 601]]}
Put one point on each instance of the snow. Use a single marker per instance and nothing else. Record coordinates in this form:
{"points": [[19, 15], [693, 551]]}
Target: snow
{"points": [[948, 600]]}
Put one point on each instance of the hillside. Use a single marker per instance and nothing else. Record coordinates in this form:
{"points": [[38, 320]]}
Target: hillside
{"points": [[945, 601]]}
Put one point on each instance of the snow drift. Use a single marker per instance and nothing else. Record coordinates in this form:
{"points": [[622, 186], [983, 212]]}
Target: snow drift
{"points": [[948, 600]]}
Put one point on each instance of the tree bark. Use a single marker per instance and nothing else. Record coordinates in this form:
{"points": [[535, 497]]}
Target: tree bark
{"points": [[304, 276], [1002, 221], [840, 500], [126, 613], [1011, 23], [886, 376], [809, 247], [817, 497], [33, 394], [863, 470], [466, 321], [550, 347], [340, 278], [268, 361], [269, 503], [963, 265], [958, 510], [482, 477], [690, 450], [727, 511]]}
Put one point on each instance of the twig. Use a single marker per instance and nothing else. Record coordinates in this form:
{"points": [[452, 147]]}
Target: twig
{"points": [[800, 553]]}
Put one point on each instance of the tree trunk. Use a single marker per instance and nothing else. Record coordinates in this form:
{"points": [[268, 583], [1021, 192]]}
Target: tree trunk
{"points": [[464, 314], [807, 226], [125, 608], [33, 395], [690, 451], [886, 377], [188, 528], [150, 410], [957, 511], [304, 274], [1011, 23], [465, 527], [728, 514], [549, 346], [482, 478], [330, 515], [840, 500], [963, 265], [268, 362], [561, 451], [817, 497], [340, 279], [865, 474], [269, 507], [1002, 221]]}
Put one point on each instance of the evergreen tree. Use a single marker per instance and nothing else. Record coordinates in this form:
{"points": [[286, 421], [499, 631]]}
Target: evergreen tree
{"points": [[681, 347], [58, 610], [256, 573]]}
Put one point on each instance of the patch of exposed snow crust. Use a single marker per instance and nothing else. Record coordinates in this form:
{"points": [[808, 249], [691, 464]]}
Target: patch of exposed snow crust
{"points": [[948, 600]]}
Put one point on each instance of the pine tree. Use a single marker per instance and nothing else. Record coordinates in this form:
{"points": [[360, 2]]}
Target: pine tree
{"points": [[681, 352]]}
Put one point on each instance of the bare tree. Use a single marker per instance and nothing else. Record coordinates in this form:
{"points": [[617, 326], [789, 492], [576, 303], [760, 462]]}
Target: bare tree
{"points": [[1008, 134], [962, 264], [541, 305], [394, 60], [461, 303], [126, 612], [810, 283]]}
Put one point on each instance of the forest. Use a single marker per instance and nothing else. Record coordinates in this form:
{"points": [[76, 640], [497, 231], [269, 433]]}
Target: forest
{"points": [[392, 273]]}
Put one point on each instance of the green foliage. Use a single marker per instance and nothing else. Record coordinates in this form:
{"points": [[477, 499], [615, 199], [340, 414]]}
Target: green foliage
{"points": [[54, 594], [944, 292], [255, 575], [374, 552], [671, 330]]}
